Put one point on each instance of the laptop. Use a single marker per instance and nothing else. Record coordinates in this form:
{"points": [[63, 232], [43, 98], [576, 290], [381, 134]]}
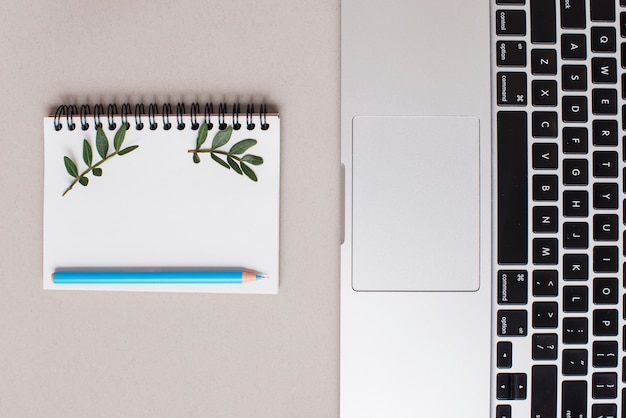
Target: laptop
{"points": [[482, 259]]}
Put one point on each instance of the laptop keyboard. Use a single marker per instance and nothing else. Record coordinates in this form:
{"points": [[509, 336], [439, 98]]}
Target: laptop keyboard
{"points": [[559, 110]]}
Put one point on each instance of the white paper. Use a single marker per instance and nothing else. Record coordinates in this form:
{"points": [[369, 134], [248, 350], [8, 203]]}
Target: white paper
{"points": [[155, 208]]}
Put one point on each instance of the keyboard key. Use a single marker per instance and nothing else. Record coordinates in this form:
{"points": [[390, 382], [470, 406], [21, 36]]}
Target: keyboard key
{"points": [[605, 354], [574, 399], [545, 219], [603, 70], [605, 227], [575, 362], [574, 109], [573, 46], [575, 140], [511, 386], [573, 14], [622, 24], [602, 10], [545, 346], [512, 187], [545, 315], [575, 299], [605, 291], [605, 259], [605, 195], [603, 39], [503, 411], [510, 1], [575, 235], [544, 92], [623, 55], [604, 385], [575, 330], [511, 53], [545, 251], [545, 124], [605, 164], [512, 322], [504, 354], [510, 22], [545, 187], [604, 410], [519, 385], [575, 203], [575, 267], [604, 101], [545, 283], [575, 172], [543, 61], [542, 21], [605, 132], [605, 322], [545, 156], [543, 391], [512, 286], [503, 384], [574, 77], [512, 89]]}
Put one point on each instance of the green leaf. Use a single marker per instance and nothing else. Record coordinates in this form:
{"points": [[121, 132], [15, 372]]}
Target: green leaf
{"points": [[202, 134], [252, 159], [87, 153], [196, 158], [233, 164], [70, 167], [97, 171], [241, 146], [128, 149], [84, 181], [102, 143], [248, 172], [222, 137], [220, 161], [119, 137]]}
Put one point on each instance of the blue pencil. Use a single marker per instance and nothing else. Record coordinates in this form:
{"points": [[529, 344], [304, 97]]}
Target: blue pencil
{"points": [[155, 277]]}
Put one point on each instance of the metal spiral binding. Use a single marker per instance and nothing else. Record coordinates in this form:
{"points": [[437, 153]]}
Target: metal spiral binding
{"points": [[84, 111], [111, 112], [69, 112]]}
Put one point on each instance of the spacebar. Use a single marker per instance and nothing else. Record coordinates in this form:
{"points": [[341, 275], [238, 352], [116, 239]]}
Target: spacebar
{"points": [[543, 392], [512, 133]]}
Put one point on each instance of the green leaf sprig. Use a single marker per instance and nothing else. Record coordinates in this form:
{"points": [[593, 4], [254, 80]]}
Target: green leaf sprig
{"points": [[102, 146], [234, 159]]}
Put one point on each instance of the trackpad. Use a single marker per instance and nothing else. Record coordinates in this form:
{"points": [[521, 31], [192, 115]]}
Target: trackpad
{"points": [[415, 203]]}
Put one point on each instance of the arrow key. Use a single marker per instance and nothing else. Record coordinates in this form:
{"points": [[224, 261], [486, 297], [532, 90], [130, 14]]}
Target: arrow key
{"points": [[518, 385], [511, 386], [505, 354]]}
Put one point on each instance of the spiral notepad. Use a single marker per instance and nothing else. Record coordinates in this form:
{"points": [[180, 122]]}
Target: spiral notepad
{"points": [[158, 187]]}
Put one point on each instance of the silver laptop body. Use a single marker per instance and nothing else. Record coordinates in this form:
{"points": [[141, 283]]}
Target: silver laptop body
{"points": [[416, 258]]}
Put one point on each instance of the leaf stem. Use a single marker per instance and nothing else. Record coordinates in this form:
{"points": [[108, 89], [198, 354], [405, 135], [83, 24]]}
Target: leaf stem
{"points": [[215, 151], [88, 170]]}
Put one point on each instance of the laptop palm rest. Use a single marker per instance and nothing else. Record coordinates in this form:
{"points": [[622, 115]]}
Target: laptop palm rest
{"points": [[415, 207]]}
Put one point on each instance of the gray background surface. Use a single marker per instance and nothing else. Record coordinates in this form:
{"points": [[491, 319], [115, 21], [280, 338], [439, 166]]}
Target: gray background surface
{"points": [[92, 354]]}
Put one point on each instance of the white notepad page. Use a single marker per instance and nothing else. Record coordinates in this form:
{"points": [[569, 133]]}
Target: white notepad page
{"points": [[154, 208]]}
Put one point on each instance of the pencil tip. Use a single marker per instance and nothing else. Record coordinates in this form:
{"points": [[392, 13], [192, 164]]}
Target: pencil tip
{"points": [[262, 276]]}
